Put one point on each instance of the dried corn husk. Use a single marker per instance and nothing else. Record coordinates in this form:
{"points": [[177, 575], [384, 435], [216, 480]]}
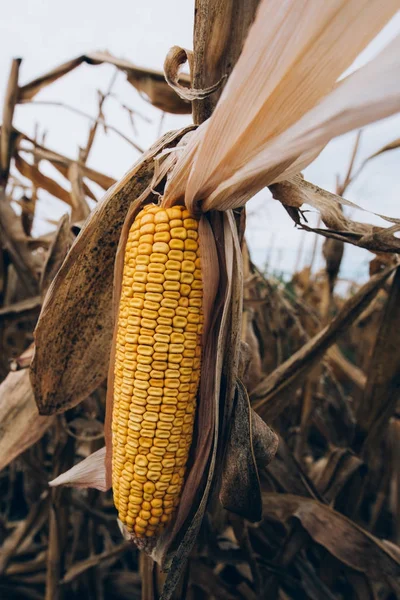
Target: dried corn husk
{"points": [[282, 104]]}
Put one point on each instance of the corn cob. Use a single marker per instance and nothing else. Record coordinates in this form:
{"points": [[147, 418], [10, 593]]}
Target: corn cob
{"points": [[157, 367]]}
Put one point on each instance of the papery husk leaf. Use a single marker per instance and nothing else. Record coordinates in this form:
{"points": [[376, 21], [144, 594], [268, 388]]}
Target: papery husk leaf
{"points": [[370, 94], [90, 472], [240, 486], [20, 423], [147, 81], [345, 540], [268, 396], [291, 59], [210, 271], [175, 58], [233, 349], [74, 333]]}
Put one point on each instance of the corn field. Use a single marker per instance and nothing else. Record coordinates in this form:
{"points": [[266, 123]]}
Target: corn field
{"points": [[176, 422]]}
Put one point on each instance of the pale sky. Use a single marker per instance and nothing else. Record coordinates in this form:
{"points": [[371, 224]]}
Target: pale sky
{"points": [[46, 33]]}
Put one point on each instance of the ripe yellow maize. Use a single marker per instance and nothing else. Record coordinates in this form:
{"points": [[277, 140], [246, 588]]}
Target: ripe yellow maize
{"points": [[157, 367]]}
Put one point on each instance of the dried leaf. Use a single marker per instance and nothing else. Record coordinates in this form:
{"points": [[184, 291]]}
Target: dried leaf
{"points": [[292, 372], [382, 390], [20, 423], [14, 240], [74, 332], [25, 530], [265, 440], [332, 251], [32, 173], [386, 148], [145, 80], [294, 192], [240, 487], [391, 146], [62, 163], [94, 561], [29, 91], [312, 584], [206, 579], [345, 540], [289, 475], [333, 471], [343, 368], [80, 208], [30, 306]]}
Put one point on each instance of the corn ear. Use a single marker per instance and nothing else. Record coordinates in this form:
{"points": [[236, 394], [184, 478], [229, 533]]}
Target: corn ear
{"points": [[157, 367]]}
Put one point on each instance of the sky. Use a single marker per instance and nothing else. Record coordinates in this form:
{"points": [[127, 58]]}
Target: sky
{"points": [[45, 33]]}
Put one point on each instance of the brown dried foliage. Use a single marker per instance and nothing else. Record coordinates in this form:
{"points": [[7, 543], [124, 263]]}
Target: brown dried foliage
{"points": [[318, 371]]}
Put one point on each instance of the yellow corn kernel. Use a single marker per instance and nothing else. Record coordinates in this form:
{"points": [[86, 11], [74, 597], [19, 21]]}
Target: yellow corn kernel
{"points": [[157, 367]]}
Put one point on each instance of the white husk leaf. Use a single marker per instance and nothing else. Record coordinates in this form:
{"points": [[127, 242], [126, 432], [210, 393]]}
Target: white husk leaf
{"points": [[281, 102], [369, 94], [91, 472]]}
